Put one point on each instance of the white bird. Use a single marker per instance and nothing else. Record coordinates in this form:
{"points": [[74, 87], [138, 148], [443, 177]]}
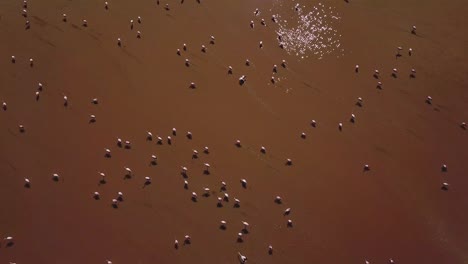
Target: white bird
{"points": [[92, 118], [394, 72], [64, 17], [445, 186], [223, 224], [379, 85], [340, 126], [263, 149], [246, 225], [120, 196], [31, 62], [193, 85], [55, 177], [115, 202], [413, 30], [186, 184], [260, 44], [119, 42], [21, 128], [462, 125], [444, 167], [226, 197], [39, 87], [103, 177], [242, 80], [139, 19], [128, 145], [238, 143], [287, 211], [303, 135], [429, 100], [247, 62], [9, 240], [283, 63], [147, 180], [128, 171], [85, 23], [184, 46], [270, 249], [149, 135], [263, 22], [410, 51], [154, 159], [13, 59], [96, 195], [106, 5], [399, 49], [27, 182], [356, 68], [95, 101], [176, 244], [239, 236], [313, 123], [194, 196], [195, 154], [278, 199], [244, 183], [189, 135], [289, 223], [236, 202], [243, 259], [288, 162], [206, 150], [203, 48], [138, 34], [4, 106], [359, 101], [223, 186], [252, 25], [187, 239], [212, 39], [65, 99], [353, 118]]}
